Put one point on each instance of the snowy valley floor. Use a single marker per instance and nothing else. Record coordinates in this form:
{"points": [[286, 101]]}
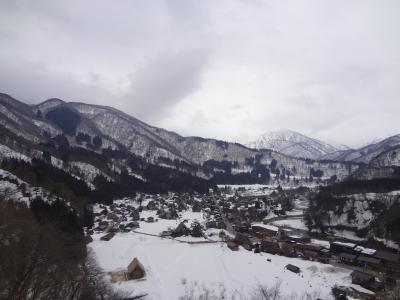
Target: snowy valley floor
{"points": [[173, 268]]}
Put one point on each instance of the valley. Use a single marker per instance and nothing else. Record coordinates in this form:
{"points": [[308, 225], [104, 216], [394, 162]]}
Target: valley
{"points": [[203, 217]]}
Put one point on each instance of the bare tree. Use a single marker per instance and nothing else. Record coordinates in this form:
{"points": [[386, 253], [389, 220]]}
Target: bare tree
{"points": [[38, 261], [264, 292]]}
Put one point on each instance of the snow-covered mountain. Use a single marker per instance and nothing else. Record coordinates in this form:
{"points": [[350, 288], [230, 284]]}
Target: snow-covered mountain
{"points": [[366, 153], [295, 144], [31, 130]]}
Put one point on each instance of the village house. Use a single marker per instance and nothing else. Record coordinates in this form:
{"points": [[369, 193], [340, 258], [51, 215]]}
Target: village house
{"points": [[361, 278], [340, 247], [135, 270], [387, 257], [364, 251], [282, 236], [270, 246], [347, 258], [366, 280], [263, 231], [369, 262], [245, 240], [300, 238], [181, 230], [151, 205], [310, 255], [288, 249]]}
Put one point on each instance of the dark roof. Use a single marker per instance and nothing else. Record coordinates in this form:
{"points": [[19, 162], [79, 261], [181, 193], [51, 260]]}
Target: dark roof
{"points": [[375, 286], [292, 268], [361, 275], [388, 256], [369, 259]]}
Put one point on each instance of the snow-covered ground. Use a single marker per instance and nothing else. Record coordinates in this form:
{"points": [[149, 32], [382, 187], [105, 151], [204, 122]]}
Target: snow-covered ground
{"points": [[292, 223], [173, 267], [163, 224]]}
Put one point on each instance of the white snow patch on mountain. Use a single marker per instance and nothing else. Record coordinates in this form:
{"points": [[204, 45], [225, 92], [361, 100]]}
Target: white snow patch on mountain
{"points": [[294, 144]]}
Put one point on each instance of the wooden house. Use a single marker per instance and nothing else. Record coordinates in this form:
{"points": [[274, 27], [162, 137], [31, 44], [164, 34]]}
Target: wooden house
{"points": [[387, 257], [270, 246], [263, 231], [347, 258], [245, 240], [361, 278], [288, 249], [340, 247], [310, 255], [369, 262], [282, 236]]}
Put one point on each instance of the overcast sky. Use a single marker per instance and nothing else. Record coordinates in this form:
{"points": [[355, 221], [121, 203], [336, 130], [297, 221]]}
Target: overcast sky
{"points": [[223, 69]]}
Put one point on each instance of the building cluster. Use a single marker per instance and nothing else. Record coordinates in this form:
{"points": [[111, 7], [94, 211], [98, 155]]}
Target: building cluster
{"points": [[242, 217]]}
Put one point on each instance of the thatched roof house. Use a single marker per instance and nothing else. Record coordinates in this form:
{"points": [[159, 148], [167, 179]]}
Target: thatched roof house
{"points": [[136, 269], [181, 229]]}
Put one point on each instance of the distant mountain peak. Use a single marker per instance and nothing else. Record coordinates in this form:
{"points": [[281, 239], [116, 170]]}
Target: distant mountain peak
{"points": [[294, 143]]}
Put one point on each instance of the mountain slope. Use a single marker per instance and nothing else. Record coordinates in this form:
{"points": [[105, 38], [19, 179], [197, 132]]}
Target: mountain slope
{"points": [[295, 144], [100, 140], [366, 153]]}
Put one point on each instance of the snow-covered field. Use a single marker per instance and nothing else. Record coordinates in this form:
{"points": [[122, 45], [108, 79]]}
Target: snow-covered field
{"points": [[174, 268]]}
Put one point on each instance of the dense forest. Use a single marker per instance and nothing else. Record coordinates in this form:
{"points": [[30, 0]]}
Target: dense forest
{"points": [[334, 198]]}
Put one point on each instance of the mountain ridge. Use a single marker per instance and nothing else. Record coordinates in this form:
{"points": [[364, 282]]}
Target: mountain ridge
{"points": [[293, 143]]}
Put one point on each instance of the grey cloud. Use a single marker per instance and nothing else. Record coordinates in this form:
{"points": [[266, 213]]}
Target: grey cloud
{"points": [[34, 83], [162, 82], [225, 69]]}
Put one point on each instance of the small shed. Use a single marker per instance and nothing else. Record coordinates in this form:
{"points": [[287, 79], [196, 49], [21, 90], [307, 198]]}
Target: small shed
{"points": [[293, 268], [108, 236], [136, 269]]}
